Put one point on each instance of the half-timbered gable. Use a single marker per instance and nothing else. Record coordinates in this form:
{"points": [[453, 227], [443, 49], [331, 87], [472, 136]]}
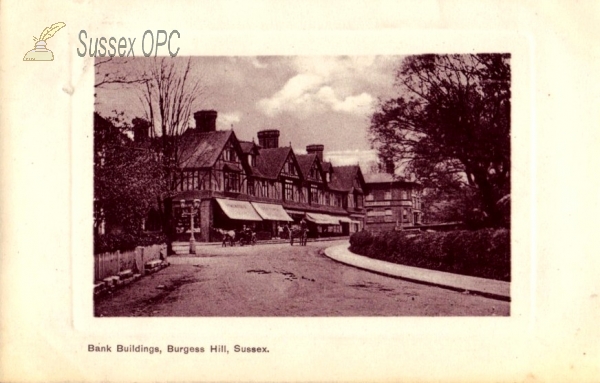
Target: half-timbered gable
{"points": [[314, 184], [282, 173], [262, 185], [348, 182], [211, 161]]}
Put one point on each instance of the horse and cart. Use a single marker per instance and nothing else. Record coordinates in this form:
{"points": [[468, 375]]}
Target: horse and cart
{"points": [[230, 237], [248, 237]]}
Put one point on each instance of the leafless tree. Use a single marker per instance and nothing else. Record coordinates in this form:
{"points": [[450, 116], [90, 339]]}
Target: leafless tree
{"points": [[106, 73], [169, 96]]}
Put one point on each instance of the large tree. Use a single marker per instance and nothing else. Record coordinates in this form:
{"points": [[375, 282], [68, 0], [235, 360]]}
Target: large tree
{"points": [[127, 179], [450, 125]]}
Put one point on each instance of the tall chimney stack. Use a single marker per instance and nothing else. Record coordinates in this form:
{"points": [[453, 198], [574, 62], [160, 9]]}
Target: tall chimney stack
{"points": [[268, 139], [317, 149], [206, 121]]}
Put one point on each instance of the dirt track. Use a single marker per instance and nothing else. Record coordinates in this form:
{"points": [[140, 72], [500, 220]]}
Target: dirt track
{"points": [[279, 280]]}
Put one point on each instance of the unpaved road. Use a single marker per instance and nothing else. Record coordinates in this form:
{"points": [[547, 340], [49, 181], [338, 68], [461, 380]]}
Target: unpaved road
{"points": [[279, 280]]}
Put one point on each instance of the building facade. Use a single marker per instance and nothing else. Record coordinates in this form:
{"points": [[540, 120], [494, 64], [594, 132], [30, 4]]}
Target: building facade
{"points": [[240, 183], [392, 203]]}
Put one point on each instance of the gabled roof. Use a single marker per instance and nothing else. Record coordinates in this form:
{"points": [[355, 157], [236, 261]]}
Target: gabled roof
{"points": [[270, 161], [201, 150], [306, 161], [386, 178], [343, 177], [326, 165], [248, 146], [378, 178]]}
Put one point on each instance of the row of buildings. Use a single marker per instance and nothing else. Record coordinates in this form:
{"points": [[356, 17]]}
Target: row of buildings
{"points": [[264, 185]]}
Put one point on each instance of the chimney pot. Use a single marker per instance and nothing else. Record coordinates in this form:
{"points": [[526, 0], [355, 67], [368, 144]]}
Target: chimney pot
{"points": [[268, 139], [206, 121], [317, 149]]}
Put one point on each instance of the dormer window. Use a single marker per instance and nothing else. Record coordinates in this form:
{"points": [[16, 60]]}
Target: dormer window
{"points": [[229, 154], [252, 160], [289, 166]]}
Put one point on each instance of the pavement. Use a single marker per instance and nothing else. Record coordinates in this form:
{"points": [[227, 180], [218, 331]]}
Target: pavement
{"points": [[183, 248], [481, 286]]}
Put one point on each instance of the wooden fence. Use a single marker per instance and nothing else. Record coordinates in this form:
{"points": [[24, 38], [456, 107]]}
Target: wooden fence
{"points": [[109, 264]]}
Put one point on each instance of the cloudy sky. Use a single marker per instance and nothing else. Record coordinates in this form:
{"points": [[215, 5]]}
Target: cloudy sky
{"points": [[311, 99]]}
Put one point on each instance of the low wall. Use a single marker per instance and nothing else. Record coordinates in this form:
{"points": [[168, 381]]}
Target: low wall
{"points": [[108, 264]]}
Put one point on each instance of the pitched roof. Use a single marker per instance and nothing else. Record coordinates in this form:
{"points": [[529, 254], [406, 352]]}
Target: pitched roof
{"points": [[343, 177], [199, 150], [270, 161], [305, 161], [377, 178], [326, 165], [247, 146]]}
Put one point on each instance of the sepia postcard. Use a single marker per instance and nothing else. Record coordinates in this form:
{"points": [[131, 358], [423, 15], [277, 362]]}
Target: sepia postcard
{"points": [[280, 191]]}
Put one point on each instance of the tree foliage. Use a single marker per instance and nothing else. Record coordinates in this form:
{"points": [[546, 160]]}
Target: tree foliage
{"points": [[127, 178], [450, 125]]}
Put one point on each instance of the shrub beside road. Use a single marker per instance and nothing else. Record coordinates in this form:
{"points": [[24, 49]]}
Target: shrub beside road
{"points": [[481, 253]]}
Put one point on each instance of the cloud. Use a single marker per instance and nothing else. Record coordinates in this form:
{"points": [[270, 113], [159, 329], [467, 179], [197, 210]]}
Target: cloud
{"points": [[360, 104], [225, 120], [306, 94]]}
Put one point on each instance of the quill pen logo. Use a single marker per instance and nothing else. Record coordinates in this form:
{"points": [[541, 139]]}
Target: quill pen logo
{"points": [[41, 53]]}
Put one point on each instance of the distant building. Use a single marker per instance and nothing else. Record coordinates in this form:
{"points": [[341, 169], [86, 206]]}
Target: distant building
{"points": [[262, 185], [391, 202]]}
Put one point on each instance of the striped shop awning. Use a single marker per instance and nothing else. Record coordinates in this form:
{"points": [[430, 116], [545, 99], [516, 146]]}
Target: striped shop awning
{"points": [[271, 212], [238, 210], [322, 219]]}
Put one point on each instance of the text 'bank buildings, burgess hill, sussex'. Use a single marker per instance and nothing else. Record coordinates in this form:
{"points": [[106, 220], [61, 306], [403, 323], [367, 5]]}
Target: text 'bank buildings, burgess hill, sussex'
{"points": [[265, 186]]}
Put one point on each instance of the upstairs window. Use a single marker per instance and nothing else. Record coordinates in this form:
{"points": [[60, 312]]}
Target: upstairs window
{"points": [[387, 195], [288, 191], [369, 197], [232, 181], [359, 201], [314, 194], [289, 167], [251, 187], [229, 154], [251, 160]]}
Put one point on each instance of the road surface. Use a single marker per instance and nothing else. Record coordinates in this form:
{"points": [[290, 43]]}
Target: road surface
{"points": [[280, 280]]}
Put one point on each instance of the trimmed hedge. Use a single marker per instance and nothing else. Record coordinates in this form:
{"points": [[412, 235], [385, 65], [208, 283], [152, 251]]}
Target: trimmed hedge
{"points": [[126, 241], [481, 253]]}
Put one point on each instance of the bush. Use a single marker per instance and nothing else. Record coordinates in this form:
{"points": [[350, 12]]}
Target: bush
{"points": [[481, 253], [126, 241]]}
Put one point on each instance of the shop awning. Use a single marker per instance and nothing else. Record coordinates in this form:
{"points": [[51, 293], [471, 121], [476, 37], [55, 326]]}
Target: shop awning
{"points": [[345, 219], [239, 210], [271, 212], [322, 219]]}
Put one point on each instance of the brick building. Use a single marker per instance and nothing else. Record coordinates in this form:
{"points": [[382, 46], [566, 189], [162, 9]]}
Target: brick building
{"points": [[261, 185], [391, 202]]}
